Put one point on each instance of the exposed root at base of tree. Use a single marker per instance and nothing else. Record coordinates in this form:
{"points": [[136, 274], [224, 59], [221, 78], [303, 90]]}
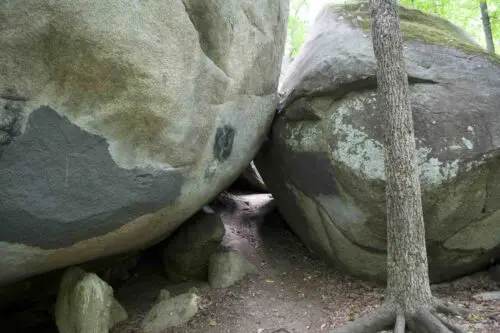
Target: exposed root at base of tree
{"points": [[388, 317]]}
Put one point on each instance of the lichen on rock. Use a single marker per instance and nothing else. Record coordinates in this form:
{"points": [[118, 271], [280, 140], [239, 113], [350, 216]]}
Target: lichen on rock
{"points": [[327, 173]]}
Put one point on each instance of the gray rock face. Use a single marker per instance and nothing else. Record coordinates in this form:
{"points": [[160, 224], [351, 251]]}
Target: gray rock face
{"points": [[324, 164], [227, 268], [77, 191], [119, 120], [187, 253], [85, 304]]}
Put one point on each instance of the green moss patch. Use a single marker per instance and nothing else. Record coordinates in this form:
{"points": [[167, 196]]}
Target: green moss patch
{"points": [[415, 26]]}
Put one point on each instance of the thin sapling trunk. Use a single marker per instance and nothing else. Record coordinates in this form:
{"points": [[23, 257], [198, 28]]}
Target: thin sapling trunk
{"points": [[488, 35]]}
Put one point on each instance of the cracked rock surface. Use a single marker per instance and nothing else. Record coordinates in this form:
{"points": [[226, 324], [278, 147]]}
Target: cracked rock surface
{"points": [[119, 120], [325, 161]]}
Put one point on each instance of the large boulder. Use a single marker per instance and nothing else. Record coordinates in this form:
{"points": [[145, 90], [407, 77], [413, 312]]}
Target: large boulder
{"points": [[325, 163], [118, 120]]}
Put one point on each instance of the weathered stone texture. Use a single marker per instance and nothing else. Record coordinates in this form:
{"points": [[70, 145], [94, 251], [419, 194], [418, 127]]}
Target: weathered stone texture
{"points": [[325, 162]]}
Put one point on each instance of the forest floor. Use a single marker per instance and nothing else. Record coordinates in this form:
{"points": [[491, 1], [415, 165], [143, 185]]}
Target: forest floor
{"points": [[294, 290]]}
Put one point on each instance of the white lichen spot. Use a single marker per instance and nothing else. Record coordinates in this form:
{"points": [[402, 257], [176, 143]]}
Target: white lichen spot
{"points": [[467, 143], [473, 164], [357, 150], [304, 138], [434, 172], [470, 129], [433, 122], [455, 147]]}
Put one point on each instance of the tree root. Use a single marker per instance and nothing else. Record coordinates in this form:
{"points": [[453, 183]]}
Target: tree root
{"points": [[450, 309], [382, 319], [389, 317]]}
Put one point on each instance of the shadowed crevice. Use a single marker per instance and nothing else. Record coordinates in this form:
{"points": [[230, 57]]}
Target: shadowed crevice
{"points": [[340, 91]]}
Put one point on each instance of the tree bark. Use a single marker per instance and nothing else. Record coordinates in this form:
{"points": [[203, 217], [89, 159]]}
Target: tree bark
{"points": [[487, 27], [408, 279], [409, 303]]}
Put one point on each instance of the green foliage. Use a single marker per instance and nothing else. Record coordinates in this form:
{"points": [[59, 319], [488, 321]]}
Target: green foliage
{"points": [[465, 14], [297, 27], [415, 26]]}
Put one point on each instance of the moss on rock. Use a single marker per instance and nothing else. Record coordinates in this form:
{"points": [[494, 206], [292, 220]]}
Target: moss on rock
{"points": [[416, 26]]}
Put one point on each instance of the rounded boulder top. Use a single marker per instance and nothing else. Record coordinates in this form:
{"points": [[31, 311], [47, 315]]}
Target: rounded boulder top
{"points": [[120, 119], [324, 164]]}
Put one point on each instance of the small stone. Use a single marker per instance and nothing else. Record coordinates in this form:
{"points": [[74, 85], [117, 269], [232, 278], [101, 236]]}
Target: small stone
{"points": [[227, 268], [187, 252], [170, 313], [85, 304], [117, 314]]}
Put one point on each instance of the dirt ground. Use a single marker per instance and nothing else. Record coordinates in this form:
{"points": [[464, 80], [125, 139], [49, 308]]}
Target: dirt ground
{"points": [[294, 291]]}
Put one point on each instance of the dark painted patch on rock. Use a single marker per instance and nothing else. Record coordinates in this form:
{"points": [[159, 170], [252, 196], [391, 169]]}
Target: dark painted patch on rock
{"points": [[223, 145], [60, 186]]}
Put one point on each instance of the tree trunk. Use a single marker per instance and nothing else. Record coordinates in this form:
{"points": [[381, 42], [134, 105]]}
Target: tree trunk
{"points": [[487, 27], [409, 303], [408, 280]]}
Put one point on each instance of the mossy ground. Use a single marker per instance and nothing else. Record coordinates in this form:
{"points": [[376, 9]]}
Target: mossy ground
{"points": [[416, 26]]}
